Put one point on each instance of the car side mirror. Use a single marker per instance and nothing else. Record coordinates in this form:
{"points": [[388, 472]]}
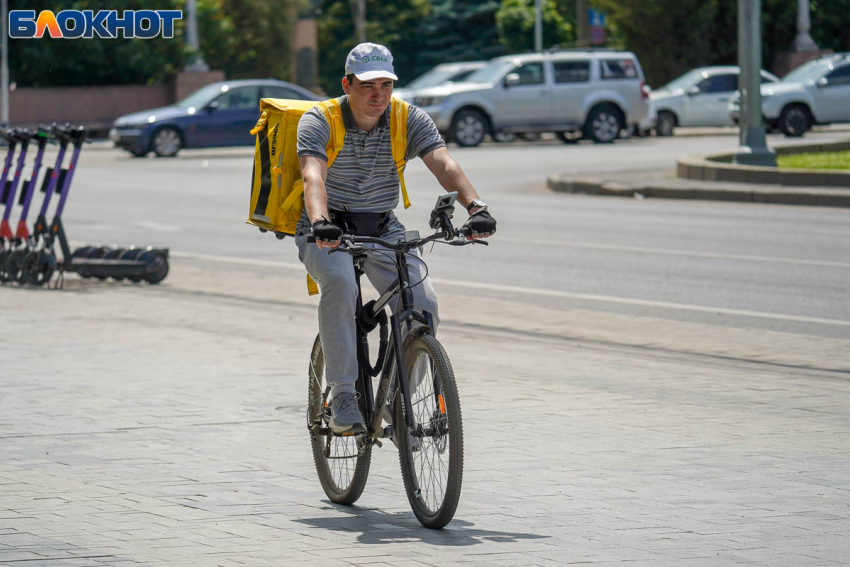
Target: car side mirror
{"points": [[823, 82], [511, 80], [213, 106], [693, 91]]}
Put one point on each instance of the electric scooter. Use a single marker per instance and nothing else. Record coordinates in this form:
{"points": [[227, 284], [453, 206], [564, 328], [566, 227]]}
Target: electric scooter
{"points": [[8, 198], [23, 242], [39, 264]]}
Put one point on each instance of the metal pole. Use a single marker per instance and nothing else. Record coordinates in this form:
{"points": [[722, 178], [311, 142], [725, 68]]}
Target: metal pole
{"points": [[538, 26], [4, 66], [582, 25], [753, 148], [804, 41], [197, 64], [358, 11]]}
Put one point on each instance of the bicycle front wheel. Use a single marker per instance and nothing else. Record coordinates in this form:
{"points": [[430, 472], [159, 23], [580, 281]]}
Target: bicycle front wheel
{"points": [[341, 461], [431, 452]]}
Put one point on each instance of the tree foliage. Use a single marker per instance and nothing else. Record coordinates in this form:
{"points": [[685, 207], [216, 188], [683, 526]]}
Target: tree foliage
{"points": [[457, 30], [515, 22], [54, 62], [248, 38], [393, 24], [245, 38], [671, 37]]}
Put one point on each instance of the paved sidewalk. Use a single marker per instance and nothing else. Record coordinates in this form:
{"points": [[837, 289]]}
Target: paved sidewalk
{"points": [[164, 425]]}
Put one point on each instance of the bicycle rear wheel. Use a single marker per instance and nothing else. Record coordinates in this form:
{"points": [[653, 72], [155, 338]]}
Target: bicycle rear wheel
{"points": [[431, 453], [342, 464]]}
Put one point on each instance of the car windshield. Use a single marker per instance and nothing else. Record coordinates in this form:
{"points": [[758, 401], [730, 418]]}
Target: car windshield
{"points": [[491, 72], [202, 96], [432, 78], [684, 81], [808, 73]]}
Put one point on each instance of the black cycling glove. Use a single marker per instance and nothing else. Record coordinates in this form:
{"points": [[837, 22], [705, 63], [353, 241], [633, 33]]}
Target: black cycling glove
{"points": [[481, 223], [326, 231]]}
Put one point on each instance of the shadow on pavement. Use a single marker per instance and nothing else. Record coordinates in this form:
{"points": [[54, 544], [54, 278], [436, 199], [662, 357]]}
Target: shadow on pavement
{"points": [[378, 527]]}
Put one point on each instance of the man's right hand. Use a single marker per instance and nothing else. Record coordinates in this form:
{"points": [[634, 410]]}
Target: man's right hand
{"points": [[326, 233]]}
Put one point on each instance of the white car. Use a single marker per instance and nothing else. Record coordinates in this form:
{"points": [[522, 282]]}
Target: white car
{"points": [[815, 93], [594, 94], [698, 98], [439, 75]]}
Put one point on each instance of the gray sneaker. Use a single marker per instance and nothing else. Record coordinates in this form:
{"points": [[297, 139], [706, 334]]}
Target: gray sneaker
{"points": [[345, 415]]}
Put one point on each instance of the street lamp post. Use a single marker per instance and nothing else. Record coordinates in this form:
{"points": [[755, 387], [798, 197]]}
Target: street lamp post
{"points": [[804, 41], [538, 26], [4, 66], [358, 11], [197, 65], [753, 148]]}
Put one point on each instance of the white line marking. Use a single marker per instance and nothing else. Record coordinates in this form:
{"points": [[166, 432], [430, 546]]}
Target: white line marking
{"points": [[546, 292], [673, 252]]}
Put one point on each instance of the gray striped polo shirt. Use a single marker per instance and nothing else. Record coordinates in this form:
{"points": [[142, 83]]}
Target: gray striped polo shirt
{"points": [[363, 177]]}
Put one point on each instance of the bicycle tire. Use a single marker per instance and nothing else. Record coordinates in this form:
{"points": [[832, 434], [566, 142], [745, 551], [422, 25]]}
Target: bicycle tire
{"points": [[342, 482], [434, 506]]}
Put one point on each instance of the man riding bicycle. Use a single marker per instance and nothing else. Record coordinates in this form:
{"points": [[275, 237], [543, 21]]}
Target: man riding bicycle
{"points": [[357, 195]]}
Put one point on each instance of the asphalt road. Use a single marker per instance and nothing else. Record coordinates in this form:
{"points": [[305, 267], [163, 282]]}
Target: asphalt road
{"points": [[742, 265]]}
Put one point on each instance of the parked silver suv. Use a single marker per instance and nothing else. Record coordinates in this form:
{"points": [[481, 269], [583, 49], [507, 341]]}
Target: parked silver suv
{"points": [[572, 93]]}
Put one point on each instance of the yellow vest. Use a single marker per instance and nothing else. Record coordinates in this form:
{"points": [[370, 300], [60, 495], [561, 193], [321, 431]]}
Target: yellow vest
{"points": [[276, 184]]}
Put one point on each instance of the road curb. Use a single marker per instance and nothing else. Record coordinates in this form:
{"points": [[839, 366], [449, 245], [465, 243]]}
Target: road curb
{"points": [[719, 167], [687, 189]]}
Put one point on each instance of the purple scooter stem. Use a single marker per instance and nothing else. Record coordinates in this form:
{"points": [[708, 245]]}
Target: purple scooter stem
{"points": [[26, 198], [13, 143], [41, 226], [5, 229], [68, 176]]}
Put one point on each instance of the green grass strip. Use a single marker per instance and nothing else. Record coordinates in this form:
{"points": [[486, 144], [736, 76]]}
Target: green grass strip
{"points": [[820, 160]]}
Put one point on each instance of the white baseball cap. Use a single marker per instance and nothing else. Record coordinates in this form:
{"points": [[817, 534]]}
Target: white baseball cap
{"points": [[370, 61]]}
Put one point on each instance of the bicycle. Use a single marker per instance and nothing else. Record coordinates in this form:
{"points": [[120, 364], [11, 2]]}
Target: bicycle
{"points": [[417, 386]]}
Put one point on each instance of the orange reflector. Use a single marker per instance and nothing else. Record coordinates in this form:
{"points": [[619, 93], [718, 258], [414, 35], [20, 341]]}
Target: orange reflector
{"points": [[442, 403]]}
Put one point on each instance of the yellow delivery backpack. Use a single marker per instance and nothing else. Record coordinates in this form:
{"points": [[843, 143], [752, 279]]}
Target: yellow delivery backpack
{"points": [[276, 185]]}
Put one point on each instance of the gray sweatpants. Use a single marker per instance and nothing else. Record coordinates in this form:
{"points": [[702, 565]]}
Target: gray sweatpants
{"points": [[335, 275]]}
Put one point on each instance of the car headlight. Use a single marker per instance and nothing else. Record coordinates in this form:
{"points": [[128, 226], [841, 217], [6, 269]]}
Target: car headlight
{"points": [[428, 100]]}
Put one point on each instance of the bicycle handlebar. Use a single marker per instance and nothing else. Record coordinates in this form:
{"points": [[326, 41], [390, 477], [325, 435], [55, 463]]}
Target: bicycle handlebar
{"points": [[455, 237]]}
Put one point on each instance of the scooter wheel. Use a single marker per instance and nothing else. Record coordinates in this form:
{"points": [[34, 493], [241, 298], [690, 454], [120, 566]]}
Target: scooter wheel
{"points": [[3, 277], [38, 267], [111, 254], [15, 266], [83, 252], [99, 252], [156, 267], [133, 254]]}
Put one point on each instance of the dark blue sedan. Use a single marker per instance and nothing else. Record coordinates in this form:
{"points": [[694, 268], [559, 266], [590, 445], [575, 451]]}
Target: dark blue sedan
{"points": [[219, 114]]}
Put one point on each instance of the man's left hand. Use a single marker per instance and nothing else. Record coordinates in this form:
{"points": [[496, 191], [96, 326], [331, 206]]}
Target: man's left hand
{"points": [[480, 225]]}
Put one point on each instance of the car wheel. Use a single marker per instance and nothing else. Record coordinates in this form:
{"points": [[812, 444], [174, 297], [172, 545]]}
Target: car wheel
{"points": [[468, 128], [569, 137], [603, 125], [504, 137], [665, 123], [167, 142], [795, 120]]}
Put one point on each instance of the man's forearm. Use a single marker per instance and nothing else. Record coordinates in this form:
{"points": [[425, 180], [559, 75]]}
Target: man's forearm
{"points": [[452, 178], [316, 200]]}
